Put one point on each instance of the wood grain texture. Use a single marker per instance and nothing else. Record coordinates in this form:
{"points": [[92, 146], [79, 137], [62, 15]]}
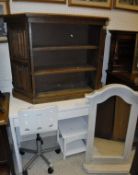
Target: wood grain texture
{"points": [[4, 118], [53, 53]]}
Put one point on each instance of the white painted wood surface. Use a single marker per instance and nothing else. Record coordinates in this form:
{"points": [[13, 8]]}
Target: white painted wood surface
{"points": [[99, 96], [108, 168], [66, 109], [72, 134]]}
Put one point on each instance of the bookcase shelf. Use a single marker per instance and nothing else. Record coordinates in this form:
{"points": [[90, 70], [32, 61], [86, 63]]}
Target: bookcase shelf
{"points": [[55, 57], [65, 91], [63, 70], [73, 47]]}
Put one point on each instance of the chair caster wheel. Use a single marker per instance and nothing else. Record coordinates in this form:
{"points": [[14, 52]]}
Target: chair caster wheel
{"points": [[58, 151], [50, 170], [21, 152], [25, 172]]}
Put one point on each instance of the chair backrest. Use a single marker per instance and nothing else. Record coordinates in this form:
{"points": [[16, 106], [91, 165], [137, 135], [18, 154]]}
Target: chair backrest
{"points": [[37, 120], [101, 95]]}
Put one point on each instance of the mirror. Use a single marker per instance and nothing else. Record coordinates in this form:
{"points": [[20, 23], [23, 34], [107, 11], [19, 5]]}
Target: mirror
{"points": [[112, 117]]}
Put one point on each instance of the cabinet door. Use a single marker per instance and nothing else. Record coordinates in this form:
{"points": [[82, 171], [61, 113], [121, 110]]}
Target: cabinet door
{"points": [[135, 61], [3, 145], [4, 170], [122, 51], [21, 77]]}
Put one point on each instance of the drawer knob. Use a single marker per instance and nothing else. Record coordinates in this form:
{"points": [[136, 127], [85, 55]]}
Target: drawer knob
{"points": [[71, 35]]}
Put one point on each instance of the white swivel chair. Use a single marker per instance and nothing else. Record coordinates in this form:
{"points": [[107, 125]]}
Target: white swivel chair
{"points": [[38, 121], [98, 163]]}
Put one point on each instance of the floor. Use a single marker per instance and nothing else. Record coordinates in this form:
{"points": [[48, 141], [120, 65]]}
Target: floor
{"points": [[70, 166]]}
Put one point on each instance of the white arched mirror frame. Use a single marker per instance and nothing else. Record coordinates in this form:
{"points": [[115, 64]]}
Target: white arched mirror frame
{"points": [[98, 96]]}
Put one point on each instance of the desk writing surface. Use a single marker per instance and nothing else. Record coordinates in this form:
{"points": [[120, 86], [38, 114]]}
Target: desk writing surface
{"points": [[67, 105]]}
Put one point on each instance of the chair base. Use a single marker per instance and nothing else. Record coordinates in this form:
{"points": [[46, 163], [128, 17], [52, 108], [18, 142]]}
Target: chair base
{"points": [[50, 167], [39, 152]]}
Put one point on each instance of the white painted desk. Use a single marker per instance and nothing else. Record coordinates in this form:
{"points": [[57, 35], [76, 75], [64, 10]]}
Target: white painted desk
{"points": [[67, 109]]}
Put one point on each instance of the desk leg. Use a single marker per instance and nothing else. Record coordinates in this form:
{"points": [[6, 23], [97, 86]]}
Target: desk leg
{"points": [[17, 157]]}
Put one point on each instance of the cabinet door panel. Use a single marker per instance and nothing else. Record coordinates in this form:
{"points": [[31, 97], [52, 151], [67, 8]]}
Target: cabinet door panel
{"points": [[21, 77], [3, 145]]}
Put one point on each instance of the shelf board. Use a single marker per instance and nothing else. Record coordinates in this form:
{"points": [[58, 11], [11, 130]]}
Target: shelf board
{"points": [[64, 92], [56, 95], [64, 70], [74, 147], [72, 128], [71, 47], [107, 147]]}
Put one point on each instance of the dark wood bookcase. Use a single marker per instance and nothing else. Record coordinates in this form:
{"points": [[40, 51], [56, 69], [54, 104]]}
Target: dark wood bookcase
{"points": [[55, 57], [123, 61], [123, 68]]}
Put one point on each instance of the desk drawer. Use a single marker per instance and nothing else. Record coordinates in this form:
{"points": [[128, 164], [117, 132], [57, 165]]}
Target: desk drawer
{"points": [[34, 121]]}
